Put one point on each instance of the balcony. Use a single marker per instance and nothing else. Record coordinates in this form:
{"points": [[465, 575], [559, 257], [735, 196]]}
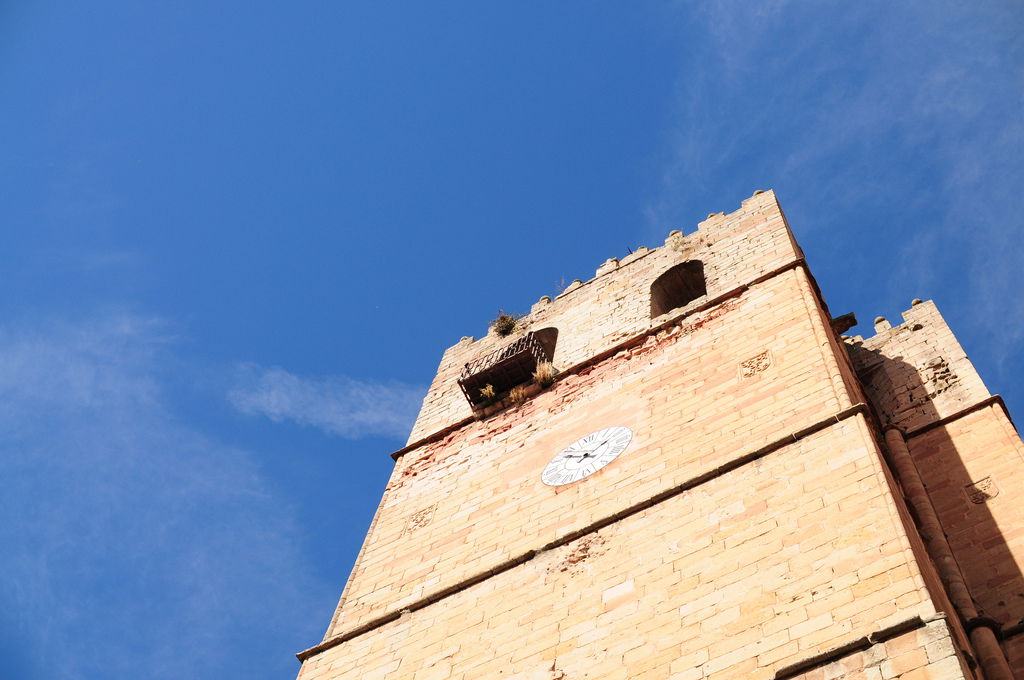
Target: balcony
{"points": [[508, 366]]}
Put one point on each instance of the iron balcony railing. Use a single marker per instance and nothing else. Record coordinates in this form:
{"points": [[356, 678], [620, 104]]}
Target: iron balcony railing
{"points": [[503, 368]]}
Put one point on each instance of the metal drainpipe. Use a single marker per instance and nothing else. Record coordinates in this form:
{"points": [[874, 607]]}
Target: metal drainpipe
{"points": [[986, 646]]}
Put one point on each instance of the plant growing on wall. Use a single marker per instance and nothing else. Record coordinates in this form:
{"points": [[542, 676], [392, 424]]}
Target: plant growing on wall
{"points": [[544, 374], [489, 394], [505, 323], [517, 395]]}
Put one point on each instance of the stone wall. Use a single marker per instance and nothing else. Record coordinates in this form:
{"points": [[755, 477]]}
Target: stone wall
{"points": [[927, 653], [756, 569], [700, 395], [972, 468]]}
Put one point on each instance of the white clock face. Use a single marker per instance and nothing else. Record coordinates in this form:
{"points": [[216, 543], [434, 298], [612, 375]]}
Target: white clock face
{"points": [[586, 456]]}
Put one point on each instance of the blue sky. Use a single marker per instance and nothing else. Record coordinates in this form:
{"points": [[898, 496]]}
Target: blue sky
{"points": [[238, 236]]}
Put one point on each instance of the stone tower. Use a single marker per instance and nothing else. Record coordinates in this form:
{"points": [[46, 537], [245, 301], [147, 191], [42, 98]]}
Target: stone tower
{"points": [[713, 484]]}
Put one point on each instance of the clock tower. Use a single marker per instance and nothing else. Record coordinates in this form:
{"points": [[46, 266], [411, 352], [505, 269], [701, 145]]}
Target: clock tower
{"points": [[680, 469]]}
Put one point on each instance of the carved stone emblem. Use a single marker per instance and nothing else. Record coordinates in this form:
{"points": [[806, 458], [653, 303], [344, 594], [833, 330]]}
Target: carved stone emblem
{"points": [[981, 490], [755, 364], [420, 519], [940, 376]]}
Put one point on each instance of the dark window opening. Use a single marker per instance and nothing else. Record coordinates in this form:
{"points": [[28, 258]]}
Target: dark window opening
{"points": [[507, 367], [677, 287]]}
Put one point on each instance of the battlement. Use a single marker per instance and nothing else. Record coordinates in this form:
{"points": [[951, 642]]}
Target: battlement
{"points": [[627, 296], [915, 373], [920, 311]]}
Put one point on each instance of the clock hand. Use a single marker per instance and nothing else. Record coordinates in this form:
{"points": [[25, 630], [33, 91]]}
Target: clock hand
{"points": [[589, 453]]}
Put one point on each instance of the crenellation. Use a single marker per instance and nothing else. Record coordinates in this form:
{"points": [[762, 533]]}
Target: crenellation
{"points": [[540, 305], [634, 255], [610, 265], [595, 315], [915, 373]]}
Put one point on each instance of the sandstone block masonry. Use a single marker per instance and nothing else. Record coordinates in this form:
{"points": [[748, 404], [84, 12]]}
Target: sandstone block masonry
{"points": [[966, 452], [690, 406], [738, 577], [757, 525]]}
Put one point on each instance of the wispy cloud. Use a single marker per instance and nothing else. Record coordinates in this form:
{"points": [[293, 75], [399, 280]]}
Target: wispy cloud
{"points": [[338, 405], [134, 545], [906, 115]]}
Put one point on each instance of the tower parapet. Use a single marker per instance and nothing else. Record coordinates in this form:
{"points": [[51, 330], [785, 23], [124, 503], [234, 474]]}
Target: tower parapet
{"points": [[916, 373], [594, 316]]}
